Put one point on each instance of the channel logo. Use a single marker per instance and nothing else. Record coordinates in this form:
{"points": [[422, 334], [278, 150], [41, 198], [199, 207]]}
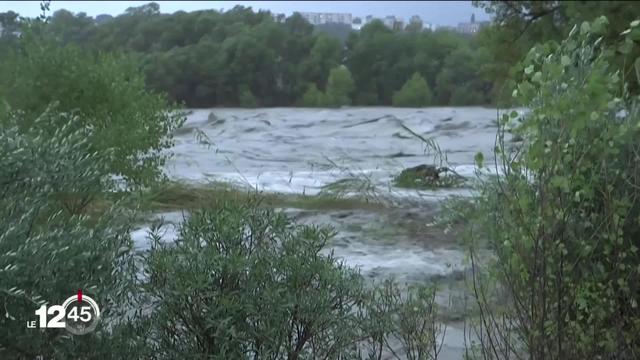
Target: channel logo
{"points": [[79, 314]]}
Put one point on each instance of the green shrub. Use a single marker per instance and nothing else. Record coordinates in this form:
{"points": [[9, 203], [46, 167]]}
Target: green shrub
{"points": [[313, 97], [564, 221], [414, 93], [108, 94], [339, 87], [243, 281], [47, 251], [247, 99]]}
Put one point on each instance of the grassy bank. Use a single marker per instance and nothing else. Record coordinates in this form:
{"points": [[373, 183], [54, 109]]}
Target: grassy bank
{"points": [[174, 195]]}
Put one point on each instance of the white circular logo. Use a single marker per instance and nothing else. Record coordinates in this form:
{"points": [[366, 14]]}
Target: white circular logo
{"points": [[82, 314]]}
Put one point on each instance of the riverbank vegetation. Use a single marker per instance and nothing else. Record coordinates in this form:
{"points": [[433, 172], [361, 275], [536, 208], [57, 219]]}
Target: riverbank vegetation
{"points": [[246, 58], [564, 220]]}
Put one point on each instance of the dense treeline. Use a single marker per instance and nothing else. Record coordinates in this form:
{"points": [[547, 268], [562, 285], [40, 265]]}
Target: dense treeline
{"points": [[246, 58], [519, 25]]}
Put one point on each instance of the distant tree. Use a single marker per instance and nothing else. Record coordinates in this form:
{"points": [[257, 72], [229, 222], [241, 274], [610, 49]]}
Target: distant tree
{"points": [[458, 82], [339, 86], [106, 92], [313, 97], [414, 93], [151, 8], [414, 27], [518, 25], [71, 28], [247, 99], [338, 31], [325, 54]]}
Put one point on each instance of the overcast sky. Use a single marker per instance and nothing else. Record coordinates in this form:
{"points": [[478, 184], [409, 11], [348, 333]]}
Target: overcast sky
{"points": [[436, 12]]}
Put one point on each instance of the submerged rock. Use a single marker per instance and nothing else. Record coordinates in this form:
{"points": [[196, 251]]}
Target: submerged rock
{"points": [[213, 120], [427, 172], [428, 176]]}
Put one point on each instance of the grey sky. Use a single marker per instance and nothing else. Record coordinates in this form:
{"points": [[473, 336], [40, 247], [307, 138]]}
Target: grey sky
{"points": [[436, 12]]}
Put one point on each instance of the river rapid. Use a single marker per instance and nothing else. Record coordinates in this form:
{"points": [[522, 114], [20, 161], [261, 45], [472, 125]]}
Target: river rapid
{"points": [[302, 150]]}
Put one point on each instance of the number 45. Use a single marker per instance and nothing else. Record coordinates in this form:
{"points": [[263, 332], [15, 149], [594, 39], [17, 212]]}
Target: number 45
{"points": [[85, 314]]}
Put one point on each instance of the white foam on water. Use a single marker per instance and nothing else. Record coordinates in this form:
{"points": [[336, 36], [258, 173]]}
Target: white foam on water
{"points": [[400, 260], [279, 149]]}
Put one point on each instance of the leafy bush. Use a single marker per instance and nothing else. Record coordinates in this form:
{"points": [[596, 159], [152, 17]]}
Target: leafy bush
{"points": [[47, 251], [339, 87], [247, 99], [243, 281], [564, 220], [408, 320], [414, 93], [107, 93], [313, 97]]}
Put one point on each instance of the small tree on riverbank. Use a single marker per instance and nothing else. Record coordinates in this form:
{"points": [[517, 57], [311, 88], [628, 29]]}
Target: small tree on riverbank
{"points": [[414, 93], [244, 281], [313, 97], [107, 93], [339, 87], [48, 251]]}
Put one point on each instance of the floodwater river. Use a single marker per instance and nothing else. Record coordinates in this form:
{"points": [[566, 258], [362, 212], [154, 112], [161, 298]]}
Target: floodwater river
{"points": [[302, 150]]}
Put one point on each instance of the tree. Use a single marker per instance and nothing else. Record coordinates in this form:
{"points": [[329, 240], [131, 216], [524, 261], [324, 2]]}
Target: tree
{"points": [[247, 99], [562, 221], [518, 26], [458, 82], [98, 89], [325, 54], [71, 28], [339, 86], [261, 287], [45, 241], [414, 93], [313, 97]]}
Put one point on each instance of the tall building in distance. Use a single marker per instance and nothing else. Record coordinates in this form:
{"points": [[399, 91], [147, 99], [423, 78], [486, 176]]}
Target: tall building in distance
{"points": [[357, 24], [471, 27], [415, 23], [279, 18], [393, 22], [327, 18], [389, 21]]}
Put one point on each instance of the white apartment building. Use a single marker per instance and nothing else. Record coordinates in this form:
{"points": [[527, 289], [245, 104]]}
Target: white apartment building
{"points": [[326, 18]]}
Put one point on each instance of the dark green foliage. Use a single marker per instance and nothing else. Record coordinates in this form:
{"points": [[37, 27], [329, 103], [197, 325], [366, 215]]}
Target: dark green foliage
{"points": [[208, 58], [518, 26], [247, 99], [313, 97], [244, 281], [105, 92], [338, 93], [47, 250], [456, 83], [325, 55], [336, 31], [339, 87], [414, 93], [564, 219]]}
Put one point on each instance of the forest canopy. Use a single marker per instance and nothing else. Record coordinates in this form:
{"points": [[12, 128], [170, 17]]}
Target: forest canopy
{"points": [[209, 58]]}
